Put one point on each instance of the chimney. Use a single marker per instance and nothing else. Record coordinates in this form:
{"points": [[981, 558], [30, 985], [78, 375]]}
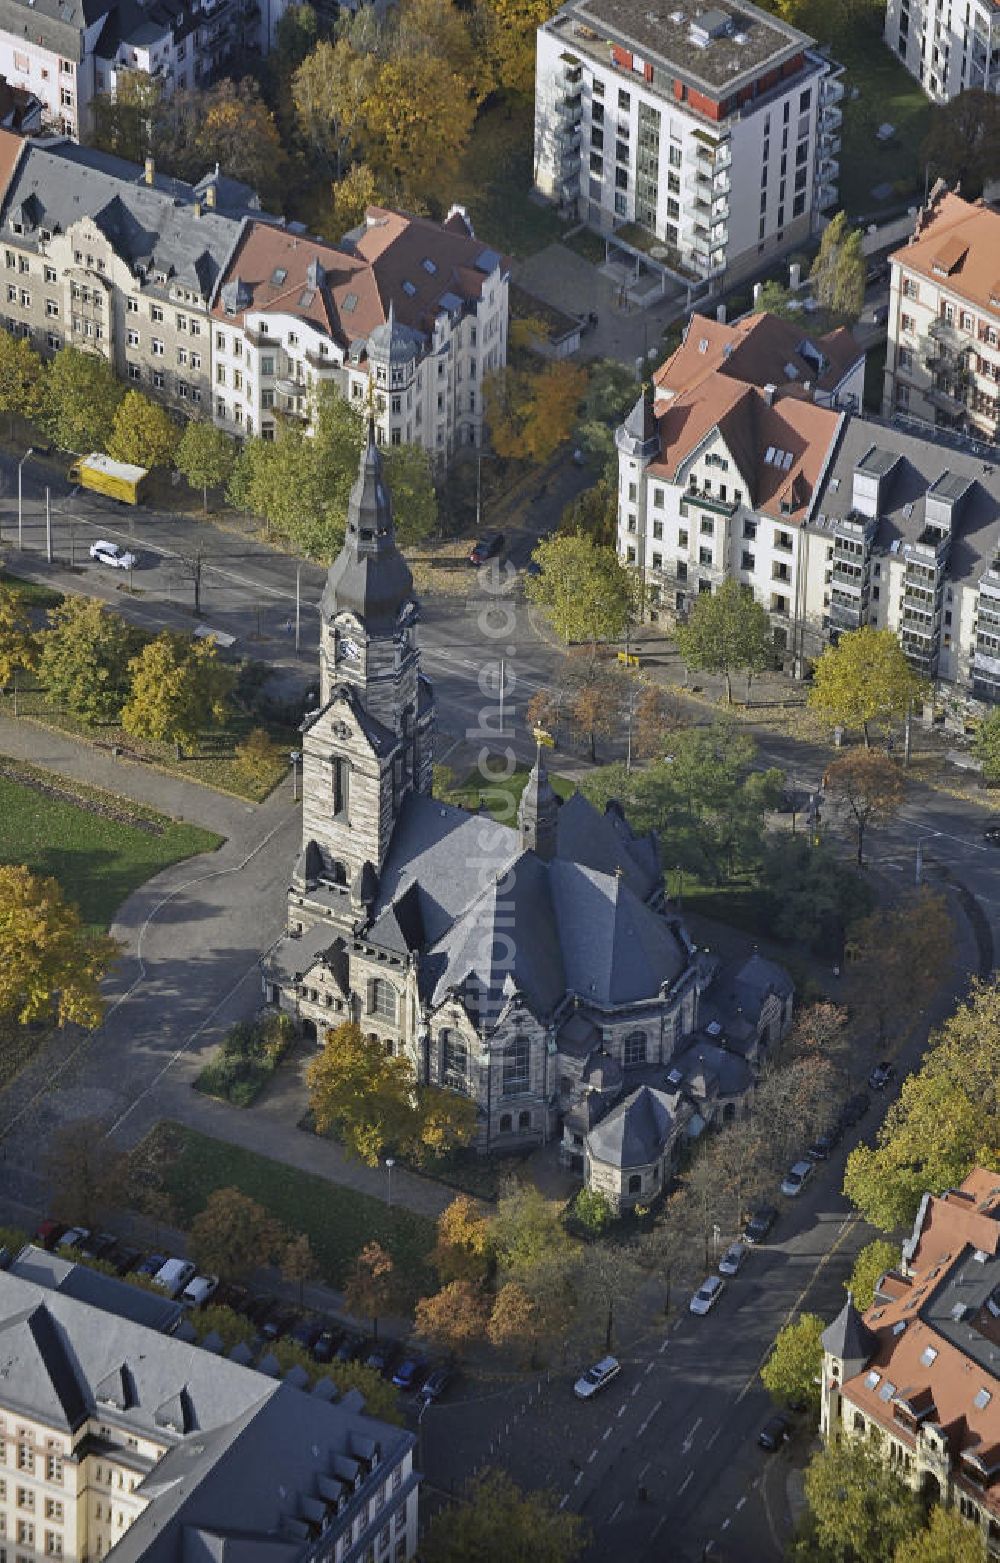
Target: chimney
{"points": [[210, 195], [769, 394], [150, 171]]}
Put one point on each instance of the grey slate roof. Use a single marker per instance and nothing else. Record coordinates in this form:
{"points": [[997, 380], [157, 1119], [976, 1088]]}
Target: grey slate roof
{"points": [[729, 1072], [369, 577], [154, 1310], [58, 183], [849, 1337], [636, 1131]]}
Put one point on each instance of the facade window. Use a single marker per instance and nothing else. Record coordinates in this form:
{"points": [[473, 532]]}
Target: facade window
{"points": [[454, 1061], [132, 306], [506, 1123], [707, 526], [155, 314], [133, 371], [383, 999], [634, 1049], [158, 349], [516, 1067]]}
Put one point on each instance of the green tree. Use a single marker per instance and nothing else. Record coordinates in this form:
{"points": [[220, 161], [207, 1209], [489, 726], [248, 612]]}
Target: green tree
{"points": [[866, 788], [864, 678], [869, 1267], [86, 1174], [812, 894], [838, 272], [986, 747], [963, 141], [587, 591], [362, 1093], [945, 1121], [233, 1235], [417, 121], [860, 1511], [231, 1327], [792, 1371], [593, 513], [20, 378], [773, 299], [84, 658], [726, 631], [143, 432], [50, 965], [18, 645], [371, 1288], [177, 689], [948, 1539], [329, 90], [205, 457], [897, 957], [79, 399], [496, 1521], [123, 123], [410, 481], [380, 1398], [593, 1212], [526, 1230]]}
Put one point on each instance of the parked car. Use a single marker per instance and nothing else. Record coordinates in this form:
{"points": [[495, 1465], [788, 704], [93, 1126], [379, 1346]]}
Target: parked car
{"points": [[732, 1259], [775, 1432], [382, 1357], [98, 1245], [259, 1309], [200, 1290], [174, 1275], [278, 1322], [116, 558], [854, 1108], [73, 1237], [325, 1345], [881, 1075], [151, 1266], [823, 1146], [992, 833], [410, 1373], [126, 1260], [487, 548], [305, 1332], [436, 1383], [597, 1378], [350, 1348], [48, 1233], [759, 1223], [796, 1178], [229, 1295], [707, 1295]]}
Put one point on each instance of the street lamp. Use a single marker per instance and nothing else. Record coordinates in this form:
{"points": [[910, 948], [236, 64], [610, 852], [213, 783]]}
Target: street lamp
{"points": [[295, 759], [389, 1164], [20, 514], [483, 456], [716, 1234]]}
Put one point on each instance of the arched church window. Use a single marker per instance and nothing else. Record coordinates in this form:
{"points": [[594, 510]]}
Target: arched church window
{"points": [[524, 1121], [382, 1000], [635, 1183], [634, 1049], [341, 771], [454, 1061], [338, 873], [506, 1121], [516, 1067]]}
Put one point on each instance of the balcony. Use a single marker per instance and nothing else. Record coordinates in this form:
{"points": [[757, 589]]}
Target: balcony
{"points": [[829, 144], [825, 195], [844, 614], [828, 170], [830, 117], [944, 401], [948, 334], [847, 585], [717, 155], [832, 90], [570, 106]]}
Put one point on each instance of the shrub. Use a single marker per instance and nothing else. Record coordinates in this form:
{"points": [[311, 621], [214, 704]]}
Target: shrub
{"points": [[591, 1212], [246, 1058]]}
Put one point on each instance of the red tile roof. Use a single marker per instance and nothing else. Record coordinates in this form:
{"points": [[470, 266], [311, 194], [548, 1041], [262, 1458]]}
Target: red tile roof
{"points": [[756, 350], [11, 147], [957, 243]]}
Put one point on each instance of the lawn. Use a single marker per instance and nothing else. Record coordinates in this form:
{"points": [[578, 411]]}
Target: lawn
{"points": [[99, 847], [30, 592], [888, 93], [500, 797], [338, 1221], [495, 180]]}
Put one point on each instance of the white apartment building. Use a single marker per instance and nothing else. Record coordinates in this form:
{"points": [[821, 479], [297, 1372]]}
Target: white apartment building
{"points": [[832, 519], [948, 45], [943, 360], [715, 132], [411, 312]]}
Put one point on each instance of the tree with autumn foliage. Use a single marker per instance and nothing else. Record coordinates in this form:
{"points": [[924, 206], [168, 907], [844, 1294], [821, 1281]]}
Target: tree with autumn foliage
{"points": [[508, 29], [865, 788], [531, 412], [228, 123], [143, 432], [870, 1265], [87, 1175], [792, 1371], [360, 1092], [453, 1318], [948, 1538], [514, 1319], [18, 645], [50, 965], [370, 1289], [462, 1251], [298, 1263], [417, 122], [177, 689], [444, 1122], [588, 593], [864, 680], [329, 92], [21, 376], [233, 1235], [498, 1522], [897, 958]]}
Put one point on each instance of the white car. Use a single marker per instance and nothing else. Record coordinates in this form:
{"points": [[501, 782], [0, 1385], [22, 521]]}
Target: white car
{"points": [[796, 1178], [73, 1237], [109, 553], [199, 1291], [733, 1257], [707, 1295], [597, 1377], [174, 1275]]}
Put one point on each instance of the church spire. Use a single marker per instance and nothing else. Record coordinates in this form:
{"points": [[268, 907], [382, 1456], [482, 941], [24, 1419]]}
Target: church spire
{"points": [[369, 577], [537, 812]]}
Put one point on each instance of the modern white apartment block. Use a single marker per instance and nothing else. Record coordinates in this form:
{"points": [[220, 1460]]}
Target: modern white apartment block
{"points": [[740, 470], [408, 312], [118, 1441], [716, 131], [946, 45], [943, 359]]}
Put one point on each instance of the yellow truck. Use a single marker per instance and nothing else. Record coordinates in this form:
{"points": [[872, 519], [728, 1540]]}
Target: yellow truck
{"points": [[116, 479]]}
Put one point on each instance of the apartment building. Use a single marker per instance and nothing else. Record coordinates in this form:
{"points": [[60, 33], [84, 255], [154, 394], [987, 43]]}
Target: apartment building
{"points": [[915, 1375], [411, 312], [943, 359], [118, 1441], [715, 131], [719, 469], [946, 46], [101, 254]]}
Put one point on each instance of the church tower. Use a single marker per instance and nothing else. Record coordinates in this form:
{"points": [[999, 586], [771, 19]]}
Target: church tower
{"points": [[538, 811], [370, 742]]}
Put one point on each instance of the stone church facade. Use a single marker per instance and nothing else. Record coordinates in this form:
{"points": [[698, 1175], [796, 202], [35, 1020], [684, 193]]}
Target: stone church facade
{"points": [[500, 961]]}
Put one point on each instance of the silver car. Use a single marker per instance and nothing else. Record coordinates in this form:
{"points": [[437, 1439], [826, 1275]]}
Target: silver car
{"points": [[596, 1378], [796, 1178], [733, 1257], [110, 554], [707, 1295]]}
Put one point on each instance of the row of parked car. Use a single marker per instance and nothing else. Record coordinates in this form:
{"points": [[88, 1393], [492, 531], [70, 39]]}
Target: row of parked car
{"points": [[272, 1320]]}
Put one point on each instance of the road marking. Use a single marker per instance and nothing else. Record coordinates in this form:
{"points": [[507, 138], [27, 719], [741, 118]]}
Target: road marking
{"points": [[578, 1479], [564, 1500], [592, 1456], [741, 1502], [644, 1470], [649, 1368], [605, 1435], [635, 1390], [658, 1527], [658, 1407], [666, 1343], [726, 1523], [689, 1478], [714, 1436], [622, 1409], [689, 1440], [616, 1511]]}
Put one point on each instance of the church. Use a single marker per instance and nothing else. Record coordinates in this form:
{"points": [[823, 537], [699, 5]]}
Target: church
{"points": [[512, 964]]}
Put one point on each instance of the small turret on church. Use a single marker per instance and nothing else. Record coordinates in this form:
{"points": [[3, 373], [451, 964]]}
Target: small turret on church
{"points": [[538, 811], [370, 743]]}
